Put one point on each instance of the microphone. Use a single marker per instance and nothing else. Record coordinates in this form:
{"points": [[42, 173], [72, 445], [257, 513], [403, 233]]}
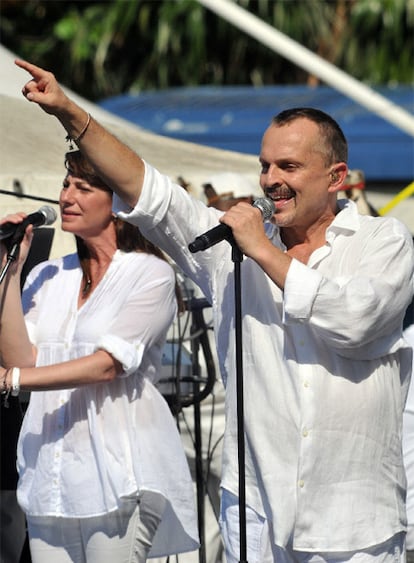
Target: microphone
{"points": [[224, 232], [45, 216]]}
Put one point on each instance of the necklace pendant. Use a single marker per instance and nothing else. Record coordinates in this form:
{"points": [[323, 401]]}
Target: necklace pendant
{"points": [[87, 287]]}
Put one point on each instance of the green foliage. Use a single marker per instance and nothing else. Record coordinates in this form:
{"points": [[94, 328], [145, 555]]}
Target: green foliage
{"points": [[102, 48]]}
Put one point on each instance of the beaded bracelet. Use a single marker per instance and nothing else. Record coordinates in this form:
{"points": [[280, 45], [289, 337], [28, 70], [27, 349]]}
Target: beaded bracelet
{"points": [[4, 389], [72, 140]]}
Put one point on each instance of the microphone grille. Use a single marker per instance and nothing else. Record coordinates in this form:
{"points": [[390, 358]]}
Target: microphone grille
{"points": [[49, 213], [266, 206]]}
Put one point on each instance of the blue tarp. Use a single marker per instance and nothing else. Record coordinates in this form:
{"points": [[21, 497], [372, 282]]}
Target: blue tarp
{"points": [[234, 118]]}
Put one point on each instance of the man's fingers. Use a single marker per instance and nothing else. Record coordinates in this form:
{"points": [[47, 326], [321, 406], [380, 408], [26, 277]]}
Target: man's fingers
{"points": [[41, 78], [34, 70]]}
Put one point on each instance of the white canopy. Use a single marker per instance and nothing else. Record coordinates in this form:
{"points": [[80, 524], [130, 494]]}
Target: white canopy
{"points": [[32, 148]]}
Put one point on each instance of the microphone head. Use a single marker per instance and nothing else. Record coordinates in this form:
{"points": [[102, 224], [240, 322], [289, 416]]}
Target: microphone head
{"points": [[49, 213], [266, 206]]}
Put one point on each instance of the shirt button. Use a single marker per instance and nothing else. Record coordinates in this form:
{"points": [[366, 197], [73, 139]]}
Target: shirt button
{"points": [[305, 433], [306, 383], [301, 483], [301, 343]]}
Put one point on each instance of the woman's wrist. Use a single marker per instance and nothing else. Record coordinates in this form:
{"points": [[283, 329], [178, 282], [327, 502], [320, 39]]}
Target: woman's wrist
{"points": [[6, 384], [4, 381], [10, 382], [15, 382]]}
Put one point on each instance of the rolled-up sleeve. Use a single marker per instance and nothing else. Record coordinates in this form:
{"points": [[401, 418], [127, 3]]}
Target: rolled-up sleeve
{"points": [[129, 354], [354, 297]]}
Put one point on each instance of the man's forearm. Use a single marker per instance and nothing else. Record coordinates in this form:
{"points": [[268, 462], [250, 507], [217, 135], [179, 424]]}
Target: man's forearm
{"points": [[117, 164]]}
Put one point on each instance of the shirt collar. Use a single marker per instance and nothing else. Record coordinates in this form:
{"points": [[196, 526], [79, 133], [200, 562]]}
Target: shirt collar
{"points": [[347, 220]]}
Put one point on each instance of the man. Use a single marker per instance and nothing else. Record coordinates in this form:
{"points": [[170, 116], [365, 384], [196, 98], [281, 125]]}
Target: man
{"points": [[326, 371]]}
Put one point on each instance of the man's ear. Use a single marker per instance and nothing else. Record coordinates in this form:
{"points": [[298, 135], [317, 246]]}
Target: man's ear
{"points": [[337, 177]]}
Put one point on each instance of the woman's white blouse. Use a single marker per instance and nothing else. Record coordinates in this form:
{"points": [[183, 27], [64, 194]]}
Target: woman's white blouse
{"points": [[82, 450]]}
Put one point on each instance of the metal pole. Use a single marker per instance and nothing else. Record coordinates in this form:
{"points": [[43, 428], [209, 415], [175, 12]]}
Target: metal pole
{"points": [[304, 58]]}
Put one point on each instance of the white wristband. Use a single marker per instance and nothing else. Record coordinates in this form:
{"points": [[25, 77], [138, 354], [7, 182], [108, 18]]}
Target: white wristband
{"points": [[15, 386]]}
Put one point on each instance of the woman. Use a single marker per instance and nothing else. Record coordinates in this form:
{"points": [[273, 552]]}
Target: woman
{"points": [[102, 473]]}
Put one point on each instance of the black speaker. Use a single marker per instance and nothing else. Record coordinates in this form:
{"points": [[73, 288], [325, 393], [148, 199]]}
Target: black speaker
{"points": [[39, 251]]}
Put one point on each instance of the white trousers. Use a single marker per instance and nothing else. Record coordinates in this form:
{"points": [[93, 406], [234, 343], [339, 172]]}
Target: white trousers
{"points": [[262, 549], [122, 536]]}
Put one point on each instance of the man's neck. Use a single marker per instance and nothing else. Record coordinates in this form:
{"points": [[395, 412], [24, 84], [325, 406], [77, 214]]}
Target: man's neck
{"points": [[300, 243]]}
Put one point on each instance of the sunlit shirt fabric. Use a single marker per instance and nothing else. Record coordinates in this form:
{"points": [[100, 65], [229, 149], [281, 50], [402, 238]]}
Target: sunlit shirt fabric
{"points": [[408, 448], [325, 369], [82, 450]]}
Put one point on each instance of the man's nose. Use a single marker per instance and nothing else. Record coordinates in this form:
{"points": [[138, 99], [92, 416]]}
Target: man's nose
{"points": [[272, 177]]}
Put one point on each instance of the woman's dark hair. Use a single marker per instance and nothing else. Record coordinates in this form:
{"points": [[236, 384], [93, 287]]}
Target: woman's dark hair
{"points": [[334, 139], [128, 237]]}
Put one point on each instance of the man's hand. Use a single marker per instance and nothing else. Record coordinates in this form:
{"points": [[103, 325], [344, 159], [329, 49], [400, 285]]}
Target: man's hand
{"points": [[43, 89], [120, 167], [246, 223]]}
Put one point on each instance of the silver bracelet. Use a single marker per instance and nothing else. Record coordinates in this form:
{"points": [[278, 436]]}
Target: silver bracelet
{"points": [[72, 140]]}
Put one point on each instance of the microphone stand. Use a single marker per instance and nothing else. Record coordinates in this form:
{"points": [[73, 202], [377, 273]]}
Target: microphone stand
{"points": [[11, 257], [13, 248], [237, 258]]}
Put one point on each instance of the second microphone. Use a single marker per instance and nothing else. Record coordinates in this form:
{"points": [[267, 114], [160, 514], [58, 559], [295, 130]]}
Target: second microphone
{"points": [[224, 232]]}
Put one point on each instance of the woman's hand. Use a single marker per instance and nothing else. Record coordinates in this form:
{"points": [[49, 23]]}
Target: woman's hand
{"points": [[17, 218]]}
